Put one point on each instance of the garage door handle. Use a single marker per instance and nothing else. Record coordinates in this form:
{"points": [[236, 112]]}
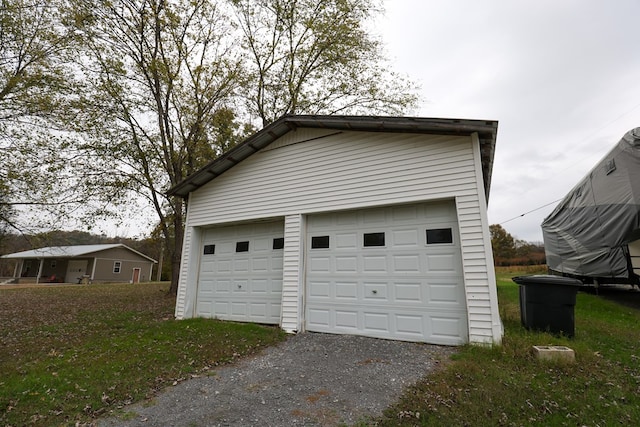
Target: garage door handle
{"points": [[239, 286], [374, 292]]}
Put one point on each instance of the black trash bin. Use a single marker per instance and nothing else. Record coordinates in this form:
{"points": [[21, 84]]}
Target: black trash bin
{"points": [[547, 303]]}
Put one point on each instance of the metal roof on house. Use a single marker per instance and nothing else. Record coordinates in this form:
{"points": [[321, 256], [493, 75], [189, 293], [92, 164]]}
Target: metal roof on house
{"points": [[69, 251], [486, 130]]}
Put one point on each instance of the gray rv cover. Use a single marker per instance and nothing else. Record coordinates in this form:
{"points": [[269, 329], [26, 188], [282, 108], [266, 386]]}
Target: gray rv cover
{"points": [[587, 233]]}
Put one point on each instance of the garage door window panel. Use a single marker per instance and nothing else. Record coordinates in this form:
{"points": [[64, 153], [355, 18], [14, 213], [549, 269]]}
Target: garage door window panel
{"points": [[242, 246], [209, 249], [439, 236], [320, 242], [373, 239], [278, 243]]}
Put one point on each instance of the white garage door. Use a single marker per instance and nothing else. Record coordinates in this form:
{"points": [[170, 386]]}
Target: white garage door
{"points": [[240, 276], [393, 272]]}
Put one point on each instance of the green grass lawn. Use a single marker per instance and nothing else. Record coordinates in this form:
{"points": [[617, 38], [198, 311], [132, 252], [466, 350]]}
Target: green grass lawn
{"points": [[507, 386], [71, 353]]}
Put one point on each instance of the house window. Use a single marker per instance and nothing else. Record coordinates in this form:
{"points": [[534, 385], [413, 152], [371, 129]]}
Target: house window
{"points": [[117, 265], [209, 249], [439, 236], [373, 239], [278, 243], [242, 246], [320, 242]]}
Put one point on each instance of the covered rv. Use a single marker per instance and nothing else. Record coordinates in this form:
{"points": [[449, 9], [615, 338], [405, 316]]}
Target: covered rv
{"points": [[594, 233]]}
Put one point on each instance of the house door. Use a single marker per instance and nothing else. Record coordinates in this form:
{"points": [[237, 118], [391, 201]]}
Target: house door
{"points": [[136, 276], [75, 270]]}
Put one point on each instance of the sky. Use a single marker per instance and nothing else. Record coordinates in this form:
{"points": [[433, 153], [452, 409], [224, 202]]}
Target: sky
{"points": [[561, 77]]}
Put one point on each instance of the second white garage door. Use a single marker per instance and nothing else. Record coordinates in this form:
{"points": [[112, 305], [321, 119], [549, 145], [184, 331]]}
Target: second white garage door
{"points": [[393, 272], [240, 275]]}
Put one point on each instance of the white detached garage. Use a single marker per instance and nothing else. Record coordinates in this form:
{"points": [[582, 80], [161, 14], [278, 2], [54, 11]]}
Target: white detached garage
{"points": [[372, 226]]}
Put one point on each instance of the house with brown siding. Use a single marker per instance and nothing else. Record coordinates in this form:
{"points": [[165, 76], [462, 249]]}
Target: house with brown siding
{"points": [[82, 264]]}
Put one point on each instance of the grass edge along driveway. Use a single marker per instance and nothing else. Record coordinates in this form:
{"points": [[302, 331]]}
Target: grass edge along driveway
{"points": [[507, 386]]}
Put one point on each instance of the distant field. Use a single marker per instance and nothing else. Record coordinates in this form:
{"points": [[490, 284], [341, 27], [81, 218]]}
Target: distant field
{"points": [[521, 269]]}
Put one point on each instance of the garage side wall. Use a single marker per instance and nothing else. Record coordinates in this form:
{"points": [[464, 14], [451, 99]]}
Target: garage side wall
{"points": [[485, 325], [189, 267]]}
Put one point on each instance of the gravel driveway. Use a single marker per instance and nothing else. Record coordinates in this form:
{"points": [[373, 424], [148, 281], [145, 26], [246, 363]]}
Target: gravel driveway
{"points": [[310, 379]]}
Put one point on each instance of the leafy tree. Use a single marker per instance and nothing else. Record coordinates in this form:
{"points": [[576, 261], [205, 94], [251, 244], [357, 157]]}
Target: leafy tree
{"points": [[37, 98], [316, 56], [158, 88], [502, 243], [508, 250], [529, 252], [171, 87], [6, 212], [163, 74]]}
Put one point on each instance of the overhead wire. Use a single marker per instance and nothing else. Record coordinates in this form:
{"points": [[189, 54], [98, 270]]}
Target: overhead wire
{"points": [[572, 165], [528, 212]]}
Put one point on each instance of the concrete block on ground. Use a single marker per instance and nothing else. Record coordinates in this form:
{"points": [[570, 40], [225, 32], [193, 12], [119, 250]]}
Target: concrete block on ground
{"points": [[554, 352]]}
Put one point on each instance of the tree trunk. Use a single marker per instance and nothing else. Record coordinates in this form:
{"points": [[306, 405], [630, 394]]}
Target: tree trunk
{"points": [[176, 251], [175, 274]]}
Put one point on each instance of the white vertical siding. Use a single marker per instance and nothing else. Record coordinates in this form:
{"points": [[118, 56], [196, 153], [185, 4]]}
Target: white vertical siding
{"points": [[477, 260], [292, 275], [189, 267]]}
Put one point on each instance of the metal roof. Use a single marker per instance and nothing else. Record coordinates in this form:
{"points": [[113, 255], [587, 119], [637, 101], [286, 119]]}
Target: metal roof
{"points": [[69, 251], [486, 129]]}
